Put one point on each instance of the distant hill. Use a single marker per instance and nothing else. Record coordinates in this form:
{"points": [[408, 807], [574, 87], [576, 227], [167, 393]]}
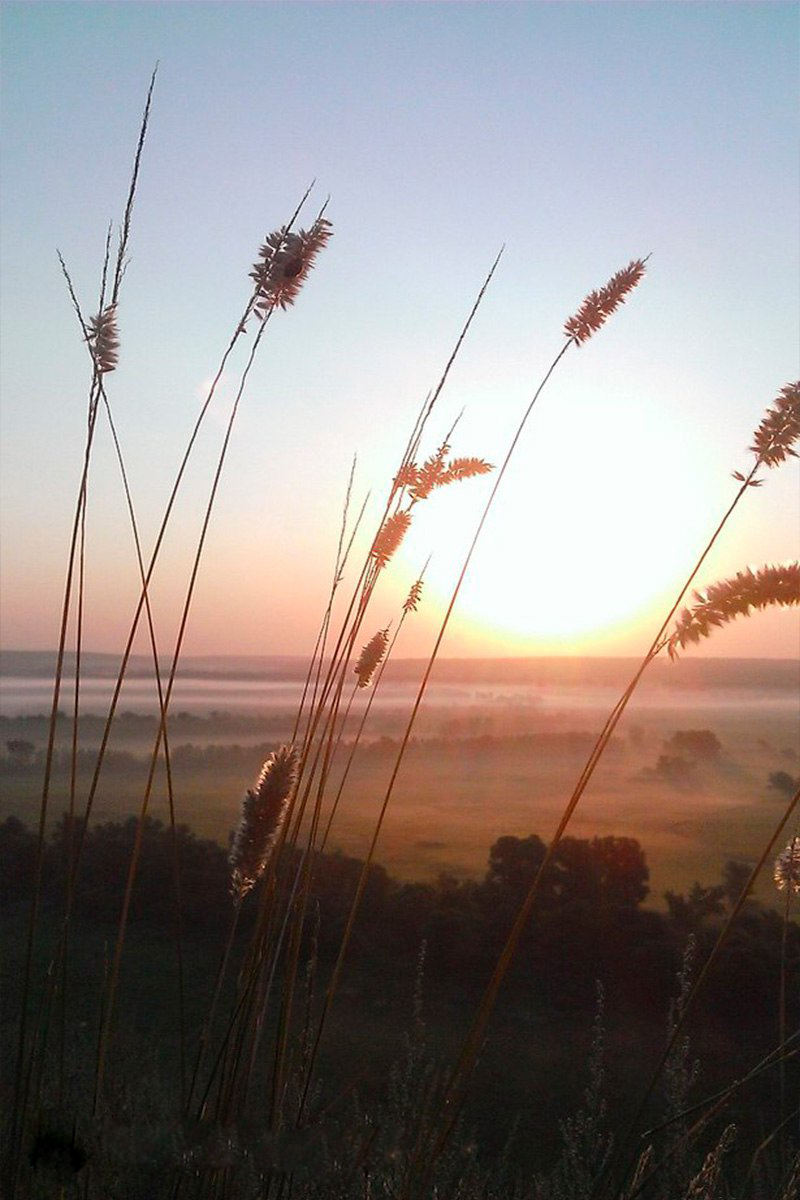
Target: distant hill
{"points": [[690, 671], [41, 664]]}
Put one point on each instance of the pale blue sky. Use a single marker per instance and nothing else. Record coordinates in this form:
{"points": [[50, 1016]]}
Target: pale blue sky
{"points": [[580, 135]]}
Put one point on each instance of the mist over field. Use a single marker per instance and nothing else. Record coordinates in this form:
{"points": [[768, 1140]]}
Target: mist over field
{"points": [[497, 748]]}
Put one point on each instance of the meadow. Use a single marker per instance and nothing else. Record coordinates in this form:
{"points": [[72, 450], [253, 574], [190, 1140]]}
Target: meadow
{"points": [[494, 753]]}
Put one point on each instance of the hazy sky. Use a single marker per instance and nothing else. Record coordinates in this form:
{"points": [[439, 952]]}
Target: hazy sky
{"points": [[580, 135]]}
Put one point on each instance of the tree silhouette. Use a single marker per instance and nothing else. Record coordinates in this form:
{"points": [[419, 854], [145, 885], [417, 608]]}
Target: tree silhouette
{"points": [[20, 752]]}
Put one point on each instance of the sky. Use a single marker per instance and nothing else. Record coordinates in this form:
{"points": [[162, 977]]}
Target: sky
{"points": [[577, 136]]}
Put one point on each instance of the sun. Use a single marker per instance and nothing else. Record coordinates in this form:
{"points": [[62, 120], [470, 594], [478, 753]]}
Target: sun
{"points": [[576, 548]]}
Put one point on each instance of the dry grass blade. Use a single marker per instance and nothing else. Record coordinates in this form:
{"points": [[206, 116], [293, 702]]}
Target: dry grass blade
{"points": [[722, 602], [356, 902], [599, 305], [20, 1094], [410, 605], [355, 610], [468, 1055], [705, 1183], [699, 981], [103, 1041]]}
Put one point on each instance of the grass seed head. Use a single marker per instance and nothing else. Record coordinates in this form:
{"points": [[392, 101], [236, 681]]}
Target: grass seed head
{"points": [[392, 532], [263, 812], [736, 597], [465, 468], [437, 472], [412, 600], [284, 263], [774, 440], [599, 305], [787, 867], [371, 657], [103, 339], [430, 474], [406, 477]]}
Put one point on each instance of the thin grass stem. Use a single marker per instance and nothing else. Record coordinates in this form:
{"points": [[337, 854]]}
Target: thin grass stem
{"points": [[356, 902], [114, 974], [466, 1060], [702, 975]]}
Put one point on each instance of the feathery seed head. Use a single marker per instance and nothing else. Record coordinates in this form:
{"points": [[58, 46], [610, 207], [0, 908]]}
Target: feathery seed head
{"points": [[599, 305], [406, 477], [370, 657], [413, 598], [735, 597], [429, 475], [437, 472], [103, 339], [465, 468], [390, 536], [787, 867], [263, 812], [775, 437], [284, 262]]}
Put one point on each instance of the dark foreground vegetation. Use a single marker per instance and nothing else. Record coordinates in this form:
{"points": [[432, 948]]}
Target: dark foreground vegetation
{"points": [[592, 935]]}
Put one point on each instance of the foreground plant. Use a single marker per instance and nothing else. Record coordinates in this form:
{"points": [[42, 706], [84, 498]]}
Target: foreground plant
{"points": [[103, 341], [276, 286], [593, 313], [277, 842], [720, 603], [773, 442], [284, 263], [263, 813]]}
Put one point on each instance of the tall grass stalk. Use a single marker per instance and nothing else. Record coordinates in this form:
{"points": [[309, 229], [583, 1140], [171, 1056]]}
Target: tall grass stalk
{"points": [[409, 606], [787, 876], [466, 1060], [21, 1100], [157, 673], [311, 684], [19, 1109], [73, 775], [316, 749], [351, 623], [239, 330], [708, 1108], [330, 692], [114, 974], [356, 902], [680, 1023], [315, 664]]}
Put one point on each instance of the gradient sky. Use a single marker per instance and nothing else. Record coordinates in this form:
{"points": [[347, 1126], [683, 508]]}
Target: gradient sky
{"points": [[580, 135]]}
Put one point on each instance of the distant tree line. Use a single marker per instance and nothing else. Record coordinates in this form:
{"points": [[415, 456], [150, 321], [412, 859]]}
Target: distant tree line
{"points": [[22, 754], [589, 922]]}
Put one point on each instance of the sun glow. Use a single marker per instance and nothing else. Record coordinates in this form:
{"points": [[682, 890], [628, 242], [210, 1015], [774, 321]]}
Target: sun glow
{"points": [[573, 552]]}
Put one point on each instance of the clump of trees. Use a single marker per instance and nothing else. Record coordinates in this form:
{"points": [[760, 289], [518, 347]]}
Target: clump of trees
{"points": [[783, 783], [684, 751]]}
